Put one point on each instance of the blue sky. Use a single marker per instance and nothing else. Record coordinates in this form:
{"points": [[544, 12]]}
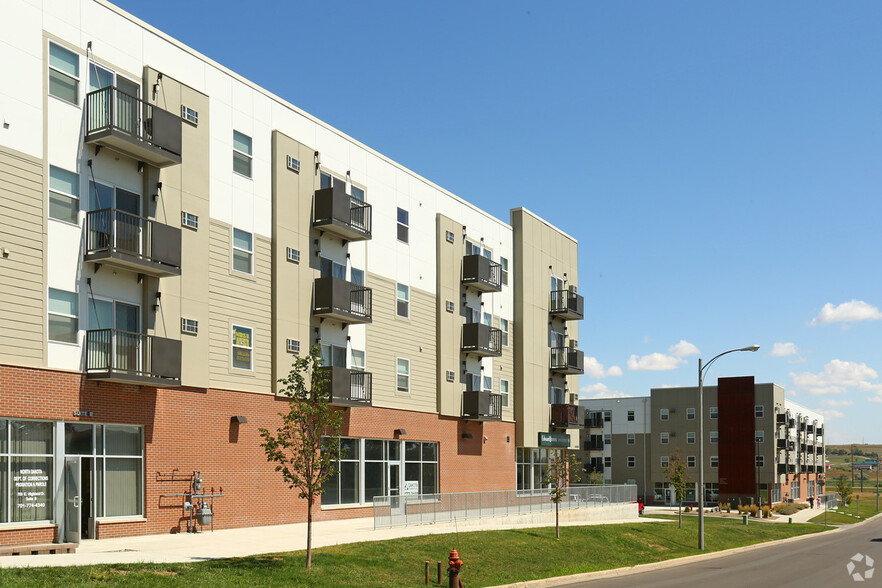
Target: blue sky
{"points": [[719, 163]]}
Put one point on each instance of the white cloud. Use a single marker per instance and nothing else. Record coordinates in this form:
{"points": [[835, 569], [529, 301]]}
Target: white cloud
{"points": [[830, 414], [847, 312], [836, 402], [594, 369], [600, 390], [784, 350], [683, 349], [654, 362], [837, 377]]}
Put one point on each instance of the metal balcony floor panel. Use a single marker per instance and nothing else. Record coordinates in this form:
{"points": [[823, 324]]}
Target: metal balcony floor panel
{"points": [[133, 263], [133, 147]]}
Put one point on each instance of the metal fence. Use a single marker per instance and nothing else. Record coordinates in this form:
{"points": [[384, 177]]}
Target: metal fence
{"points": [[417, 509], [829, 500]]}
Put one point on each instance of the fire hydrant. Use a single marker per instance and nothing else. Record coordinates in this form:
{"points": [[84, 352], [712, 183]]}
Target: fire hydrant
{"points": [[453, 566]]}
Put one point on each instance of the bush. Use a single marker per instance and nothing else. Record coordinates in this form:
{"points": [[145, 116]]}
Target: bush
{"points": [[766, 512], [789, 508], [728, 507], [754, 510]]}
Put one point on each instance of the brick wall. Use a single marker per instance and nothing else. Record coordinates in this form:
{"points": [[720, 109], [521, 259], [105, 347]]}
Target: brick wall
{"points": [[189, 429]]}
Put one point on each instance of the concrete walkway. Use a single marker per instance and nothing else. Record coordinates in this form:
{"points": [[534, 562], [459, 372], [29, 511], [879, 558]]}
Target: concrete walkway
{"points": [[255, 540], [801, 516]]}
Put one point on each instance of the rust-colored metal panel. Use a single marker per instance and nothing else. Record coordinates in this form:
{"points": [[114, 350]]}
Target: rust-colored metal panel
{"points": [[735, 399]]}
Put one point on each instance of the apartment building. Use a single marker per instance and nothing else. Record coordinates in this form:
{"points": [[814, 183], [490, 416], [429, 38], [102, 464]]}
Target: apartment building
{"points": [[173, 235], [758, 445]]}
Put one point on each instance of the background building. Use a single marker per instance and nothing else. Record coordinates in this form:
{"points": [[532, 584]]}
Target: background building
{"points": [[172, 235], [758, 444]]}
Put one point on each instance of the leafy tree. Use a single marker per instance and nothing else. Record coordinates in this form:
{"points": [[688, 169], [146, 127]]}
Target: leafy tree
{"points": [[563, 470], [306, 445], [677, 476], [595, 478], [843, 487]]}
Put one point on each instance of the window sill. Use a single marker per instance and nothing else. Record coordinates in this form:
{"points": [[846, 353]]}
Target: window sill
{"points": [[345, 506], [117, 520], [23, 526]]}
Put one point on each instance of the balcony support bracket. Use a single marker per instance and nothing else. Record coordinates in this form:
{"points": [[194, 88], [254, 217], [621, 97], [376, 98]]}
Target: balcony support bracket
{"points": [[97, 149]]}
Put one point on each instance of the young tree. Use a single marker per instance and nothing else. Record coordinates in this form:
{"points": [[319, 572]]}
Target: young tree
{"points": [[677, 476], [844, 489], [306, 446], [563, 470]]}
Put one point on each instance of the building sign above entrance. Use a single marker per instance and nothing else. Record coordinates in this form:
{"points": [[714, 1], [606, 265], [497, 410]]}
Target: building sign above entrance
{"points": [[554, 440]]}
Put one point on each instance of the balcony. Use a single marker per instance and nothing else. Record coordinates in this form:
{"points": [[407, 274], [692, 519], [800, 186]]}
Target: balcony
{"points": [[568, 305], [786, 468], [132, 358], [133, 243], [785, 444], [594, 420], [481, 405], [565, 360], [349, 387], [781, 419], [480, 339], [128, 125], [567, 416], [819, 432], [337, 212], [341, 300], [481, 273], [594, 443]]}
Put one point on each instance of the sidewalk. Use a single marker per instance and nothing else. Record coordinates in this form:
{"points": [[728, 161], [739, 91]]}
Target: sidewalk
{"points": [[801, 516], [255, 540]]}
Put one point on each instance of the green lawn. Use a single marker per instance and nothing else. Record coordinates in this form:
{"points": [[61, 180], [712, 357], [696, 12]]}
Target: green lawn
{"points": [[491, 558], [845, 515]]}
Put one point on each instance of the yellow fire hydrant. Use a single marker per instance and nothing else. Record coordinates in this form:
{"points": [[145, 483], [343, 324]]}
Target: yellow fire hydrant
{"points": [[454, 564]]}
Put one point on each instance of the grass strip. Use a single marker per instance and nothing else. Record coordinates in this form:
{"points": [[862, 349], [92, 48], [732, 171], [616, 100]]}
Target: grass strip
{"points": [[491, 558]]}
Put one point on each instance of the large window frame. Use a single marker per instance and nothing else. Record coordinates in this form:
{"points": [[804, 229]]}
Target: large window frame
{"points": [[21, 471], [64, 195], [504, 328], [243, 154], [240, 346], [505, 391], [402, 378], [242, 252], [402, 300], [67, 317]]}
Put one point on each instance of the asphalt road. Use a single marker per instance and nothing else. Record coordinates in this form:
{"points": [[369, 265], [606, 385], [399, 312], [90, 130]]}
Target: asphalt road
{"points": [[817, 560]]}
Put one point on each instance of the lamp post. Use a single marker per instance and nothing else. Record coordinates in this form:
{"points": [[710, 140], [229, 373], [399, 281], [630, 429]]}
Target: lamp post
{"points": [[702, 367]]}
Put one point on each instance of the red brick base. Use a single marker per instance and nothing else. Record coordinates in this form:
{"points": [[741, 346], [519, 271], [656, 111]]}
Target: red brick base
{"points": [[189, 429]]}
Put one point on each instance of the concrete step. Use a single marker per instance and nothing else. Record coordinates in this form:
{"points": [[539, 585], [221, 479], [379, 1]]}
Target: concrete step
{"points": [[38, 548]]}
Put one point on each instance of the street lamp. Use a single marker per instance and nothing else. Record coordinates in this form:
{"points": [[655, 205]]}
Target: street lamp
{"points": [[701, 369]]}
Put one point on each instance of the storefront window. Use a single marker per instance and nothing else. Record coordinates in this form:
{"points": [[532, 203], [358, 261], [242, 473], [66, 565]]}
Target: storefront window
{"points": [[531, 466], [25, 471]]}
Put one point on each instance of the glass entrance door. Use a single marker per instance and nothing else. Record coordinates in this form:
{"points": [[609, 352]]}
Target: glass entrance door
{"points": [[128, 341], [72, 500]]}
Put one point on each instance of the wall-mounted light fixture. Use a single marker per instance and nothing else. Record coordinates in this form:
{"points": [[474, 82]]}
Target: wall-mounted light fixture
{"points": [[466, 435], [158, 299], [239, 419], [401, 431]]}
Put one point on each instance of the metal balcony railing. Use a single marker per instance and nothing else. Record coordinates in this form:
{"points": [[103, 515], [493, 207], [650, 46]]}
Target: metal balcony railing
{"points": [[481, 273], [133, 242], [567, 304], [481, 339], [567, 416], [342, 300], [349, 387], [339, 213], [566, 360], [481, 405], [133, 127], [133, 358]]}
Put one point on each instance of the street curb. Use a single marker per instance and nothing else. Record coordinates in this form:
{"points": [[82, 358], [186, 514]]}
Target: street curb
{"points": [[640, 568]]}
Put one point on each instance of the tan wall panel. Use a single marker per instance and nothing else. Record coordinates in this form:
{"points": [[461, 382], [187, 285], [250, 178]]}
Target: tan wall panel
{"points": [[22, 297], [390, 337], [448, 281], [243, 300]]}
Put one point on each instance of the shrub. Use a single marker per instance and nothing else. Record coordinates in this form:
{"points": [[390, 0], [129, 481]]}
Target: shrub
{"points": [[766, 512], [728, 507], [754, 510]]}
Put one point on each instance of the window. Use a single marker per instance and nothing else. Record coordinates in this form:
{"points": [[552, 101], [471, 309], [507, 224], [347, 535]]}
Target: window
{"points": [[760, 460], [333, 355], [243, 345], [26, 451], [64, 74], [293, 254], [402, 300], [714, 461], [690, 414], [607, 462], [292, 345], [449, 236], [664, 414], [531, 466], [794, 490], [189, 326], [759, 437], [503, 263], [711, 492], [404, 375], [189, 220], [356, 360], [630, 415], [63, 316], [450, 375], [189, 115], [293, 164], [356, 276], [243, 251], [503, 326], [758, 411], [450, 306], [331, 269], [690, 437], [607, 439], [714, 412], [631, 439], [64, 195], [504, 391], [555, 395], [665, 460], [665, 438], [343, 486], [102, 196], [632, 461], [714, 436], [690, 461], [607, 416], [241, 154], [403, 225]]}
